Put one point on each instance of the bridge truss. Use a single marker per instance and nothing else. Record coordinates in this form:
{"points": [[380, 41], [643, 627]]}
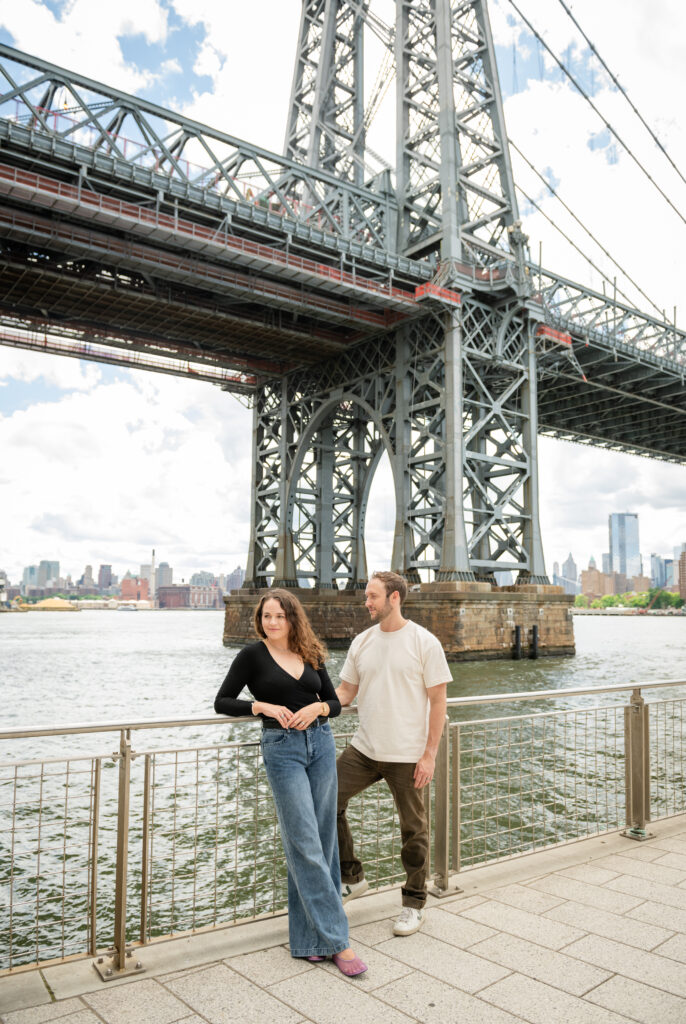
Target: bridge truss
{"points": [[360, 316]]}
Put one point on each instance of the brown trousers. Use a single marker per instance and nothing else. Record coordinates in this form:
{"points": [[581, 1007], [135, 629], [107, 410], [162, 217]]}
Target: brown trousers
{"points": [[356, 772]]}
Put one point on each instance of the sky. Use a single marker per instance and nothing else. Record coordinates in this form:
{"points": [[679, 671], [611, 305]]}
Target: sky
{"points": [[101, 464]]}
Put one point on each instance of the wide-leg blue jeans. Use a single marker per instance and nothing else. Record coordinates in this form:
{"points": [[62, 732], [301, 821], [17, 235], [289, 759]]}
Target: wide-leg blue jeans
{"points": [[301, 769]]}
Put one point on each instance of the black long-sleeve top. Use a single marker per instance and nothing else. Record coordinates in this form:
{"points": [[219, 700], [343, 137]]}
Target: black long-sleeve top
{"points": [[255, 668]]}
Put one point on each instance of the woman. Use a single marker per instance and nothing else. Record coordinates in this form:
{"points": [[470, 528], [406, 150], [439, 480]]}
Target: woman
{"points": [[294, 696]]}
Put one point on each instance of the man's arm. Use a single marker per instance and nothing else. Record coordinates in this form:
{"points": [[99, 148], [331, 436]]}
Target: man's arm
{"points": [[346, 693], [424, 769]]}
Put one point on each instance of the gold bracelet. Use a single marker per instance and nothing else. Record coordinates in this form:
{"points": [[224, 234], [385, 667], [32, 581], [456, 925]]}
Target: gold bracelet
{"points": [[325, 709]]}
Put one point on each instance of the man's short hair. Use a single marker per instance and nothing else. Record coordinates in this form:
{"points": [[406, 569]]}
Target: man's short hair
{"points": [[392, 581]]}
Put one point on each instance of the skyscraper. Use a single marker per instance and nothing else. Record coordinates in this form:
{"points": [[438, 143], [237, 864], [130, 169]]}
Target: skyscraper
{"points": [[625, 554]]}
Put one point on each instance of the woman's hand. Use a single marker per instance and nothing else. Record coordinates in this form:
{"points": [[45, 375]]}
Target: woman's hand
{"points": [[306, 716], [278, 712]]}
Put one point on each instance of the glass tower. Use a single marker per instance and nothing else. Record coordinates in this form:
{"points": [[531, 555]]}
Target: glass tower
{"points": [[625, 555]]}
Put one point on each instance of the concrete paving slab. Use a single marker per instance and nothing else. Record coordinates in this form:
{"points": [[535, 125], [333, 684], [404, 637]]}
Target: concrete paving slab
{"points": [[433, 1002], [674, 948], [639, 851], [612, 926], [373, 933], [643, 889], [44, 1013], [527, 926], [456, 906], [221, 996], [147, 1001], [592, 895], [267, 966], [525, 898], [589, 873], [18, 991], [639, 1002], [660, 914], [447, 963], [330, 1000], [671, 860], [675, 844], [546, 965], [456, 929], [537, 1003], [627, 865], [382, 969], [649, 968]]}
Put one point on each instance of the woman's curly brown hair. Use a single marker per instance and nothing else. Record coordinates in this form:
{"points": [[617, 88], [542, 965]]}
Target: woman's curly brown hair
{"points": [[301, 637]]}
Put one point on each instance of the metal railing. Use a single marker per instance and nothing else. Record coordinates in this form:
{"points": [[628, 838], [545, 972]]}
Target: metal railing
{"points": [[145, 844]]}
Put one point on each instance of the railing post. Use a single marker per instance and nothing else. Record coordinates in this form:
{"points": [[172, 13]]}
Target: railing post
{"points": [[115, 965], [442, 816], [456, 815], [637, 767]]}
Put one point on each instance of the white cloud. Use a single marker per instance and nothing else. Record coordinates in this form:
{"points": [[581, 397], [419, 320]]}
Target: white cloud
{"points": [[85, 35]]}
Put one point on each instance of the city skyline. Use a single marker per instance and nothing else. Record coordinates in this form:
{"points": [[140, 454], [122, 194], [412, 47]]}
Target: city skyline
{"points": [[94, 455]]}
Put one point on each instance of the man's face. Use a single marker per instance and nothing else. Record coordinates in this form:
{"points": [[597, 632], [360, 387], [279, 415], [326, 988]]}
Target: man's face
{"points": [[378, 604]]}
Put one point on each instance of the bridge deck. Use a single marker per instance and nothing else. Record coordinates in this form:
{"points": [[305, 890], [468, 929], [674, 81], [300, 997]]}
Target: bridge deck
{"points": [[592, 932]]}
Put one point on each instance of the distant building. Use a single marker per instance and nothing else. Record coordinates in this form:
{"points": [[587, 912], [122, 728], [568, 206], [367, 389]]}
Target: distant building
{"points": [[176, 595], [203, 579], [165, 575], [592, 563], [556, 568], [657, 571], [134, 589], [569, 568], [682, 574], [105, 578], [605, 561], [235, 579], [47, 571], [594, 583], [625, 554], [639, 584], [29, 578], [87, 579]]}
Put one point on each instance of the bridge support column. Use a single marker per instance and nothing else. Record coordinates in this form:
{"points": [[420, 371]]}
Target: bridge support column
{"points": [[454, 563], [532, 523]]}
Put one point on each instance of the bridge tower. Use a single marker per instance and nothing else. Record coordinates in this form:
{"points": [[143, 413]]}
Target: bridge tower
{"points": [[449, 395]]}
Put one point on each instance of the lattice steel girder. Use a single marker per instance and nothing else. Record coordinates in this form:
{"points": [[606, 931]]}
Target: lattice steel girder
{"points": [[462, 507], [605, 322], [56, 116], [454, 176], [326, 121]]}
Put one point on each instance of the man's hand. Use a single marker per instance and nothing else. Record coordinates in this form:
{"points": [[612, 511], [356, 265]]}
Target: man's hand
{"points": [[424, 770]]}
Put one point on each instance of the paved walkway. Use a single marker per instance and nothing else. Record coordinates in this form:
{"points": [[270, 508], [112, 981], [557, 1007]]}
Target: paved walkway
{"points": [[593, 932]]}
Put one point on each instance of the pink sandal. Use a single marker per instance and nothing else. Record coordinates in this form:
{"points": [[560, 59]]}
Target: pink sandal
{"points": [[349, 967]]}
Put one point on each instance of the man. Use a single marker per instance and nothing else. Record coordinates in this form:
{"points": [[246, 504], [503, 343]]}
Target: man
{"points": [[399, 674]]}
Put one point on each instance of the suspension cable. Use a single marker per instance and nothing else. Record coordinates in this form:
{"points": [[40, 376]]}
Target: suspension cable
{"points": [[590, 234], [573, 244], [590, 102], [617, 83]]}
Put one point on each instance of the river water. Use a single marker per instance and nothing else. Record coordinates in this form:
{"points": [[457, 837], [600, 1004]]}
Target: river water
{"points": [[93, 666], [212, 815]]}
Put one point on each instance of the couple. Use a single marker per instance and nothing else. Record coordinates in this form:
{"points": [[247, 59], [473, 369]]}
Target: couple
{"points": [[399, 674]]}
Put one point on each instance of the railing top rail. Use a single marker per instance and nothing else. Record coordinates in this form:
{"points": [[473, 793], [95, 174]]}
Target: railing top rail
{"points": [[24, 732]]}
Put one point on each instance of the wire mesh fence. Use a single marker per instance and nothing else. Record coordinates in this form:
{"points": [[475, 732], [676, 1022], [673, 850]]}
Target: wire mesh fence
{"points": [[203, 848]]}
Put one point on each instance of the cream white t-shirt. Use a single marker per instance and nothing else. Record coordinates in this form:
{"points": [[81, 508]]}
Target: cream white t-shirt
{"points": [[393, 671]]}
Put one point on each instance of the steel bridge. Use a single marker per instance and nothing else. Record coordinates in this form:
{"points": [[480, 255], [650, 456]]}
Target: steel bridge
{"points": [[360, 313]]}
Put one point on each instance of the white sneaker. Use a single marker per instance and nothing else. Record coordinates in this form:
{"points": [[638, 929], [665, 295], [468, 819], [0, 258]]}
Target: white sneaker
{"points": [[351, 890], [408, 921]]}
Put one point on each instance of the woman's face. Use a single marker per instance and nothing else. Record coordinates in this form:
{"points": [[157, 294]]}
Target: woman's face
{"points": [[274, 622]]}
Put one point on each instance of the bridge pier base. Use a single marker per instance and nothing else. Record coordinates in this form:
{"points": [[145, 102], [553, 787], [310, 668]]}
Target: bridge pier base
{"points": [[473, 621]]}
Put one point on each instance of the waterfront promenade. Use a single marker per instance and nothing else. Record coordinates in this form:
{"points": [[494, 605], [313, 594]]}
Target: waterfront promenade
{"points": [[589, 933]]}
